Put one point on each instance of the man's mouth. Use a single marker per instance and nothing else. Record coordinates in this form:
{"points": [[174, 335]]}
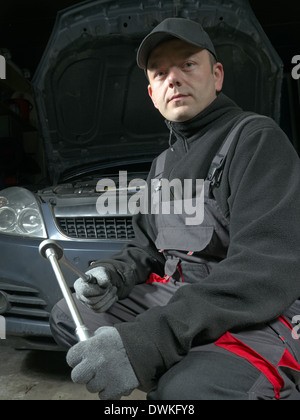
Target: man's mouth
{"points": [[178, 97]]}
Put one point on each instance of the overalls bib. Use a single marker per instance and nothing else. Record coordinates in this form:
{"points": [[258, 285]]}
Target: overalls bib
{"points": [[191, 251]]}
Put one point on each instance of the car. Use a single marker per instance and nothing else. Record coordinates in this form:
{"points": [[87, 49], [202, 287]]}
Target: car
{"points": [[98, 123]]}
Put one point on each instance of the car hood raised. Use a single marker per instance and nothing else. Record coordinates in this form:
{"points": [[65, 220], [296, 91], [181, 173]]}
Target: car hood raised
{"points": [[92, 98]]}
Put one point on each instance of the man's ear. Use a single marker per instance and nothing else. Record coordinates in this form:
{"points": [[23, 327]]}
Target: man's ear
{"points": [[151, 95], [219, 76]]}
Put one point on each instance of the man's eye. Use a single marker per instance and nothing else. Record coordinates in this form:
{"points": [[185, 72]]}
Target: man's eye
{"points": [[188, 64], [159, 74]]}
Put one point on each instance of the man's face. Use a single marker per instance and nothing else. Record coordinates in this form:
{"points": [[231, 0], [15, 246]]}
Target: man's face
{"points": [[182, 80]]}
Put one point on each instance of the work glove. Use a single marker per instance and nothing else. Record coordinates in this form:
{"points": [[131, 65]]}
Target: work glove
{"points": [[98, 296], [101, 363]]}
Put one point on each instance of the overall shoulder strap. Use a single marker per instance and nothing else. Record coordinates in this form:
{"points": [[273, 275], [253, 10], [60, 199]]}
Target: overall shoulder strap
{"points": [[216, 169]]}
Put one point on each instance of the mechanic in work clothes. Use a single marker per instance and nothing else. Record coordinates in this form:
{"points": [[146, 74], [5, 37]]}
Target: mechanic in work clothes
{"points": [[199, 311]]}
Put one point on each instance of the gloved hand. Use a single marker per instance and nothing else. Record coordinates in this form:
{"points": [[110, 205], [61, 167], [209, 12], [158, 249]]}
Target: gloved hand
{"points": [[98, 297], [102, 364]]}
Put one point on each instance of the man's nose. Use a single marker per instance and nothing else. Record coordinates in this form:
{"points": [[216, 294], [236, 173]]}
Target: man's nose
{"points": [[174, 77]]}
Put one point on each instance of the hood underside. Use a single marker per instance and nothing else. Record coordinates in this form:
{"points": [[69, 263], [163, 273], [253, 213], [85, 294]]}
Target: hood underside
{"points": [[92, 98]]}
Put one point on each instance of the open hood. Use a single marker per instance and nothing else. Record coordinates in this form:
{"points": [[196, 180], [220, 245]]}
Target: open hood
{"points": [[92, 98]]}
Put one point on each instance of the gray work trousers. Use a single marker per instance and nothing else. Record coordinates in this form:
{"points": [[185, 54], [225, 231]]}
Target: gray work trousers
{"points": [[251, 365]]}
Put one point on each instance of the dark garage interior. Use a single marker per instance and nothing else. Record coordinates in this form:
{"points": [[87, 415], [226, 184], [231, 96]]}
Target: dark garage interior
{"points": [[25, 28]]}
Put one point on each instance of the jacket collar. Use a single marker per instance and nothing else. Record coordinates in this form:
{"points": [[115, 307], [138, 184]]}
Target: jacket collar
{"points": [[192, 129]]}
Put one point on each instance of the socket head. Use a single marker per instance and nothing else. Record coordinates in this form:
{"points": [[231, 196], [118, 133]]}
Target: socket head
{"points": [[50, 244]]}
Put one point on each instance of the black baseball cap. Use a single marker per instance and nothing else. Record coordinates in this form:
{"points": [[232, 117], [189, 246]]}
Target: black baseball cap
{"points": [[184, 29]]}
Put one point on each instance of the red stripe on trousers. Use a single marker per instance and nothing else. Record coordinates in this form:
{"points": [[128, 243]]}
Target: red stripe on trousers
{"points": [[237, 347]]}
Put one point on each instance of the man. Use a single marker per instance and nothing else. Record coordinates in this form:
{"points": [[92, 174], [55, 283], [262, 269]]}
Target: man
{"points": [[196, 311]]}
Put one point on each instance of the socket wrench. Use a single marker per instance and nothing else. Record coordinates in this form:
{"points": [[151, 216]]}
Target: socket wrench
{"points": [[53, 252]]}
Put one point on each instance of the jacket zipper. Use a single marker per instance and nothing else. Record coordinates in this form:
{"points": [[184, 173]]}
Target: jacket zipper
{"points": [[178, 137]]}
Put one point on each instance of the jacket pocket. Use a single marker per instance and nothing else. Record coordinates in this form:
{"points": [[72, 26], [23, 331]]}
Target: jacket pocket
{"points": [[194, 272], [188, 238]]}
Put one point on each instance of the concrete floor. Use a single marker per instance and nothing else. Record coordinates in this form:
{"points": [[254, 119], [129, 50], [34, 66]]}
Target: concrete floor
{"points": [[40, 375]]}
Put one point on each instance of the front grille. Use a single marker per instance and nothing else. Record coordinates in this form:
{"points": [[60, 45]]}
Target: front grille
{"points": [[23, 301], [97, 227]]}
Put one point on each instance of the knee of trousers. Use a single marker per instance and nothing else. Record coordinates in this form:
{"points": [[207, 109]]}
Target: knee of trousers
{"points": [[206, 376]]}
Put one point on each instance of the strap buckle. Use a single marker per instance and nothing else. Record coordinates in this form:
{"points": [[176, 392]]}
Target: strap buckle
{"points": [[216, 173]]}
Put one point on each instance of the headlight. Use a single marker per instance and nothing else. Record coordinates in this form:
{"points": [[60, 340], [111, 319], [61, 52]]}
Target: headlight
{"points": [[20, 213]]}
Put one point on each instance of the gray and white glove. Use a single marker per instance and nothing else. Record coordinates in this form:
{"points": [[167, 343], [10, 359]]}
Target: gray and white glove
{"points": [[98, 296], [102, 364]]}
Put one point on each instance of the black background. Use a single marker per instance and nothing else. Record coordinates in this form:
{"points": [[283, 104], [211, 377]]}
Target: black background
{"points": [[26, 25]]}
